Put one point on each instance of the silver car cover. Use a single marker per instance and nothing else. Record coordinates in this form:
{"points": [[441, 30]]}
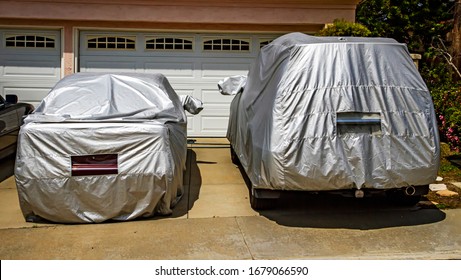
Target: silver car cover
{"points": [[103, 146], [330, 113], [232, 85]]}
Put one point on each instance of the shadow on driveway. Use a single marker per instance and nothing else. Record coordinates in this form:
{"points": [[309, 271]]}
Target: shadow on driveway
{"points": [[299, 209]]}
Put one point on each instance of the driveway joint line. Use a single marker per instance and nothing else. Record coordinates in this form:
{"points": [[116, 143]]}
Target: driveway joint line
{"points": [[243, 237]]}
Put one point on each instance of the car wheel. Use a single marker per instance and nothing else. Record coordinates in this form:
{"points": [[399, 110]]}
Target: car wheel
{"points": [[258, 203], [33, 219], [262, 203], [234, 158]]}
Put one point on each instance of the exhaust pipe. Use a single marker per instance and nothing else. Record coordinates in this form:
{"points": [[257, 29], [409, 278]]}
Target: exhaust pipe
{"points": [[410, 190]]}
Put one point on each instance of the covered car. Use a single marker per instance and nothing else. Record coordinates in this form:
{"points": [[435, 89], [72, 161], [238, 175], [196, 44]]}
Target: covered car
{"points": [[103, 147], [351, 115]]}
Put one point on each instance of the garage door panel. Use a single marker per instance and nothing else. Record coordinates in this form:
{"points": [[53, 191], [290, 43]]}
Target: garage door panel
{"points": [[39, 68], [106, 66], [214, 97], [214, 125], [171, 69], [216, 110], [221, 70]]}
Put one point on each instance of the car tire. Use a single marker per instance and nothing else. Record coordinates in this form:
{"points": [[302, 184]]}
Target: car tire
{"points": [[258, 203], [234, 158], [262, 203], [33, 219]]}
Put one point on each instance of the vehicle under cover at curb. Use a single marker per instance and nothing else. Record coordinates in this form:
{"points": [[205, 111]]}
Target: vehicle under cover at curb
{"points": [[333, 114], [103, 147]]}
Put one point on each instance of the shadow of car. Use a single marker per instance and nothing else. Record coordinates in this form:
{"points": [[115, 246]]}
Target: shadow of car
{"points": [[345, 115], [12, 114], [103, 146]]}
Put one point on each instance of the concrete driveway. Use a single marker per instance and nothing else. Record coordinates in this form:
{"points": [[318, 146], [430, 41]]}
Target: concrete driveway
{"points": [[214, 221]]}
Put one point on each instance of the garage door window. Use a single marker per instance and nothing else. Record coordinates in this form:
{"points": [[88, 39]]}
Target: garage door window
{"points": [[171, 44], [112, 43], [226, 45], [29, 41], [263, 43]]}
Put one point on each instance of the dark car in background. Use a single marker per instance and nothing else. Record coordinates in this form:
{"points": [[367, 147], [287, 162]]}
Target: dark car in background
{"points": [[11, 117]]}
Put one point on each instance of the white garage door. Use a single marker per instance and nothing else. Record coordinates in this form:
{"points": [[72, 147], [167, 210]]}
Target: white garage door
{"points": [[193, 63], [30, 63]]}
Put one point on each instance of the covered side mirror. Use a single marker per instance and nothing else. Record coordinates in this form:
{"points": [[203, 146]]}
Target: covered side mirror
{"points": [[191, 104], [232, 85]]}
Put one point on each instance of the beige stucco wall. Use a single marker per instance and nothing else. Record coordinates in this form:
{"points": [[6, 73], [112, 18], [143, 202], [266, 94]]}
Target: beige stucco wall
{"points": [[197, 15], [256, 12]]}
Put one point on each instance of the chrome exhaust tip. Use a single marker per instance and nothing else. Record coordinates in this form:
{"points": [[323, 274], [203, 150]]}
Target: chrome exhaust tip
{"points": [[410, 190]]}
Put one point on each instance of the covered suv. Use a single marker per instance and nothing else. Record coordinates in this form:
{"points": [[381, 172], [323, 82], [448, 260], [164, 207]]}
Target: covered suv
{"points": [[333, 114]]}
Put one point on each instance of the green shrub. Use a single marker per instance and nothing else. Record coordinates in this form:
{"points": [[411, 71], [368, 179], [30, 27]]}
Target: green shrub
{"points": [[340, 27]]}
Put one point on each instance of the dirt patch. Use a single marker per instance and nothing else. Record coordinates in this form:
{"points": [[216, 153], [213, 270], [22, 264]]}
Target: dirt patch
{"points": [[444, 202]]}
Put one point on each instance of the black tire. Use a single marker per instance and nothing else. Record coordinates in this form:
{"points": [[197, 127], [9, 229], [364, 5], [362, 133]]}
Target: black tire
{"points": [[262, 203], [398, 197], [33, 219], [234, 158]]}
